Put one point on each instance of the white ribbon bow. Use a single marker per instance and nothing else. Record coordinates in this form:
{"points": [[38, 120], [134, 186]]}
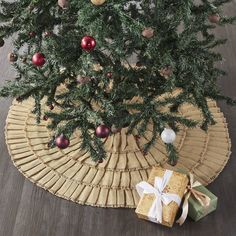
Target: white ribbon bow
{"points": [[156, 210]]}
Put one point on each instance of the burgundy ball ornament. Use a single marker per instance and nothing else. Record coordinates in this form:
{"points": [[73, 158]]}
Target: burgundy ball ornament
{"points": [[47, 33], [45, 118], [109, 74], [88, 43], [215, 18], [51, 107], [62, 142], [32, 34], [102, 131], [38, 59]]}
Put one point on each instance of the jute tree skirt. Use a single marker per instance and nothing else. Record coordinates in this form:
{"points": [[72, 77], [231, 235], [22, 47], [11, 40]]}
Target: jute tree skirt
{"points": [[72, 175]]}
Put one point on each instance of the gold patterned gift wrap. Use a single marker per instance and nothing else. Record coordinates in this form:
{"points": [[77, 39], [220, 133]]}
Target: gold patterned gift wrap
{"points": [[161, 196]]}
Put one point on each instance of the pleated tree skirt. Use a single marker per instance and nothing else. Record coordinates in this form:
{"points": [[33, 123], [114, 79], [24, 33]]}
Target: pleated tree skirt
{"points": [[71, 174]]}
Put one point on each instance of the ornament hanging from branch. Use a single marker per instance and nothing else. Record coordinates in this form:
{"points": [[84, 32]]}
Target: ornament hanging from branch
{"points": [[148, 32], [32, 34], [102, 131], [215, 18], [88, 43], [12, 57], [64, 4], [168, 136], [38, 59], [62, 141]]}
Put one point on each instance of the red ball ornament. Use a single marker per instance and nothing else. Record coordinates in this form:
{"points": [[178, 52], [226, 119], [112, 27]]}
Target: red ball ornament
{"points": [[47, 34], [109, 74], [51, 107], [32, 34], [62, 142], [88, 43], [45, 118], [214, 18], [38, 59], [102, 131]]}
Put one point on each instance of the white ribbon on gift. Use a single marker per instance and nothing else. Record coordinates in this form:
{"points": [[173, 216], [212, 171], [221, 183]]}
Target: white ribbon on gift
{"points": [[156, 210]]}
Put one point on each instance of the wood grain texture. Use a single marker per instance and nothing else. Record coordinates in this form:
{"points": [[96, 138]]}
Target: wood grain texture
{"points": [[26, 210]]}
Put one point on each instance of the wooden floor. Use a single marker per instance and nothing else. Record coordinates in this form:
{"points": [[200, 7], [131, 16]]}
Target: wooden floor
{"points": [[27, 210]]}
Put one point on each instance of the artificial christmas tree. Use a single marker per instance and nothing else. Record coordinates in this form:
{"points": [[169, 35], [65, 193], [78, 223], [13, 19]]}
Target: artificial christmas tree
{"points": [[89, 53]]}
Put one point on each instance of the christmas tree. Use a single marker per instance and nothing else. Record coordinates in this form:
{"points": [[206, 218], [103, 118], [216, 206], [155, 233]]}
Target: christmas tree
{"points": [[77, 54]]}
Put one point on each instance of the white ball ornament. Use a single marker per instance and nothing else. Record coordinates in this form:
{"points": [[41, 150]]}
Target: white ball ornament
{"points": [[168, 136], [98, 2]]}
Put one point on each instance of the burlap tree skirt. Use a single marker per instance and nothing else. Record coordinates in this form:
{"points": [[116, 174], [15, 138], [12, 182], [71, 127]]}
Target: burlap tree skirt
{"points": [[71, 174]]}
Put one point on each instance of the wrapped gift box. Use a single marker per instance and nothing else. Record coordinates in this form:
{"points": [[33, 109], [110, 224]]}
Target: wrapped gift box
{"points": [[196, 211], [175, 186]]}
